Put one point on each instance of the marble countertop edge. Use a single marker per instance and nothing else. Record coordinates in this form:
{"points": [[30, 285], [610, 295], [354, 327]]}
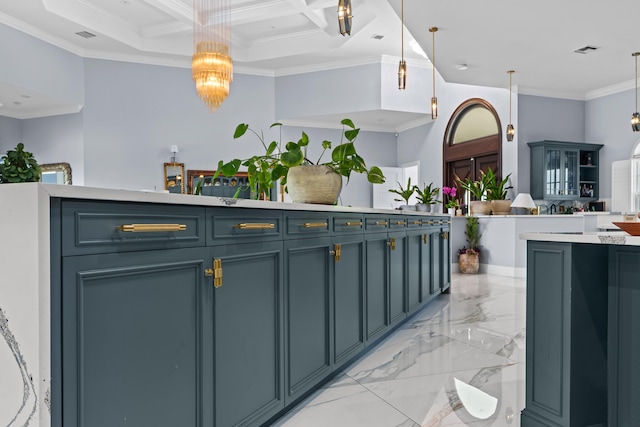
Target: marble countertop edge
{"points": [[601, 238]]}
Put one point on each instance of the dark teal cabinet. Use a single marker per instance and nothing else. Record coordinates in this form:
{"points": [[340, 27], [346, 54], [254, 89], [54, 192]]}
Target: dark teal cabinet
{"points": [[307, 302], [445, 255], [248, 351], [136, 338], [564, 170], [624, 336], [566, 381], [221, 317]]}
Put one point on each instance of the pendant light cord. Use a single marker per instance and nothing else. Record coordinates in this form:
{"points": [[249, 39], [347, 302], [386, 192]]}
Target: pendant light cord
{"points": [[402, 35], [433, 68], [636, 55], [510, 84]]}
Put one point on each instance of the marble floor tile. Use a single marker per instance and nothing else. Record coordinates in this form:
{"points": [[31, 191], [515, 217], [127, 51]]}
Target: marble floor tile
{"points": [[458, 362]]}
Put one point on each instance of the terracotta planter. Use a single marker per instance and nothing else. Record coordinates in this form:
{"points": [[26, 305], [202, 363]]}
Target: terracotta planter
{"points": [[313, 184], [469, 263], [478, 207], [501, 207]]}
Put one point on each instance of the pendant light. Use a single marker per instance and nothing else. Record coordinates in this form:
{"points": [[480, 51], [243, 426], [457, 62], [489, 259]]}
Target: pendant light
{"points": [[635, 118], [344, 16], [402, 67], [434, 100], [511, 131]]}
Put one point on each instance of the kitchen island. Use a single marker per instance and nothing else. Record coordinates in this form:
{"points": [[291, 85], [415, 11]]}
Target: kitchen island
{"points": [[140, 308], [583, 340]]}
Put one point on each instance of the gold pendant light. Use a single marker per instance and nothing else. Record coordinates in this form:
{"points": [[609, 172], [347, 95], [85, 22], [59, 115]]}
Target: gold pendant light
{"points": [[211, 64], [635, 118], [511, 131], [434, 100], [402, 67], [344, 16]]}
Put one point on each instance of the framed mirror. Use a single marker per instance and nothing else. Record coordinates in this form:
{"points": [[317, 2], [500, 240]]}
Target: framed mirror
{"points": [[56, 173], [174, 177]]}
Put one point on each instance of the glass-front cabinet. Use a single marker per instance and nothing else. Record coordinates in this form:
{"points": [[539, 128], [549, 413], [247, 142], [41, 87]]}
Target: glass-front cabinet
{"points": [[564, 170]]}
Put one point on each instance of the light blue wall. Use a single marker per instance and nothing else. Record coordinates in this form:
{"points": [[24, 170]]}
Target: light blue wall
{"points": [[32, 64], [10, 133], [134, 113], [608, 122], [542, 118]]}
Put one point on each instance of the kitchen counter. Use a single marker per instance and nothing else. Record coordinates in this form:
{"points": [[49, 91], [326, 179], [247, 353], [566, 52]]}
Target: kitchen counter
{"points": [[27, 266]]}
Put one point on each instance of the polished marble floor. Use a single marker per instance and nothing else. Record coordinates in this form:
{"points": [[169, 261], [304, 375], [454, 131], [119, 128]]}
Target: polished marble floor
{"points": [[459, 362]]}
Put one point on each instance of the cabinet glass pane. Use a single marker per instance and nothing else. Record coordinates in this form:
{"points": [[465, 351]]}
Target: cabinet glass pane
{"points": [[570, 167], [553, 172]]}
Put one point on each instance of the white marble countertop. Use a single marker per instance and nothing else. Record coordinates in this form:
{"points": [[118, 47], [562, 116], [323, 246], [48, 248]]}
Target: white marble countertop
{"points": [[91, 193], [529, 217], [604, 238]]}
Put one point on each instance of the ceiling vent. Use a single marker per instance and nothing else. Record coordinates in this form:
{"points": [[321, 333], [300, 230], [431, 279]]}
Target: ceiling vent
{"points": [[86, 34], [377, 36], [586, 49]]}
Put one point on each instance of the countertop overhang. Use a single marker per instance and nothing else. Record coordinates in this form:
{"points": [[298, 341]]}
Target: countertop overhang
{"points": [[599, 238]]}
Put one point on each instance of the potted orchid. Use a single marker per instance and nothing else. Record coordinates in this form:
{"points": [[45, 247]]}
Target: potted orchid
{"points": [[452, 204]]}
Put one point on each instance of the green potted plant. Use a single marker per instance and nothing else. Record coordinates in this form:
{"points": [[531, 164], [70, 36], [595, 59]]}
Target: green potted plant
{"points": [[469, 256], [427, 196], [497, 192], [323, 179], [405, 194], [19, 165]]}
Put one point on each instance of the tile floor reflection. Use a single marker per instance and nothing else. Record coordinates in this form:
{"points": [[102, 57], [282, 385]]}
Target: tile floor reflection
{"points": [[459, 362]]}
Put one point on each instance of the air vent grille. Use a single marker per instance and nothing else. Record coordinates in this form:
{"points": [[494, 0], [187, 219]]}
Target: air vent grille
{"points": [[586, 49], [377, 36], [86, 34]]}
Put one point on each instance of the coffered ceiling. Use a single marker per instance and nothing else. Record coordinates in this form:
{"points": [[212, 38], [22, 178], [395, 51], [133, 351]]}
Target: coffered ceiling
{"points": [[279, 37]]}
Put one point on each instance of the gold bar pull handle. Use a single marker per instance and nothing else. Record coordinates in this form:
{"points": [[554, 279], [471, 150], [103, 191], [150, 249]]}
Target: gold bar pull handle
{"points": [[314, 225], [416, 222], [381, 223], [392, 243], [150, 228], [430, 222], [353, 224], [217, 273], [425, 238], [255, 226], [445, 235], [208, 272], [338, 251], [399, 223]]}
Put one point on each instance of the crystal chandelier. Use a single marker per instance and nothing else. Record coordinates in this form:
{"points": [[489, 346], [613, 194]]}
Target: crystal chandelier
{"points": [[212, 66]]}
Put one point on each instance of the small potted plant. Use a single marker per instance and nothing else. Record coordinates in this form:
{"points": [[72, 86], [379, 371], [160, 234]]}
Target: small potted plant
{"points": [[19, 166], [497, 192], [469, 256], [404, 193], [452, 203], [427, 196]]}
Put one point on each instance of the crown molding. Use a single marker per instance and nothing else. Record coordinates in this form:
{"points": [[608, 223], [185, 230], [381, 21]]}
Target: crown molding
{"points": [[42, 112], [610, 90]]}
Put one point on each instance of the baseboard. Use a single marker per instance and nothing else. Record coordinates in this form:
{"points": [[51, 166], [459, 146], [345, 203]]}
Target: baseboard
{"points": [[498, 270]]}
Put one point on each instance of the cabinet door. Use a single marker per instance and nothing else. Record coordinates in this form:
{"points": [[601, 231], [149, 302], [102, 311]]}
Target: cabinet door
{"points": [[570, 173], [427, 288], [348, 298], [436, 260], [553, 172], [377, 273], [397, 281], [445, 260], [248, 334], [307, 311], [134, 343], [415, 252]]}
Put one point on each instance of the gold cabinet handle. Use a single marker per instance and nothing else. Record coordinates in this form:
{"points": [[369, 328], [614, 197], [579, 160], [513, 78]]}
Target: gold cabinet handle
{"points": [[338, 250], [208, 272], [445, 235], [430, 222], [425, 238], [255, 226], [416, 223], [399, 223], [381, 223], [353, 224], [314, 225], [149, 228], [217, 273], [392, 243]]}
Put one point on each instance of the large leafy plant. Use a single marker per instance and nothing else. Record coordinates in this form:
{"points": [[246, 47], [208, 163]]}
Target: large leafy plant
{"points": [[404, 192], [19, 165], [264, 170], [496, 190], [427, 194]]}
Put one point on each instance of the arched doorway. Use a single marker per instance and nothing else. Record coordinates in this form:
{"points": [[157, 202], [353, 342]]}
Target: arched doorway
{"points": [[472, 142]]}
